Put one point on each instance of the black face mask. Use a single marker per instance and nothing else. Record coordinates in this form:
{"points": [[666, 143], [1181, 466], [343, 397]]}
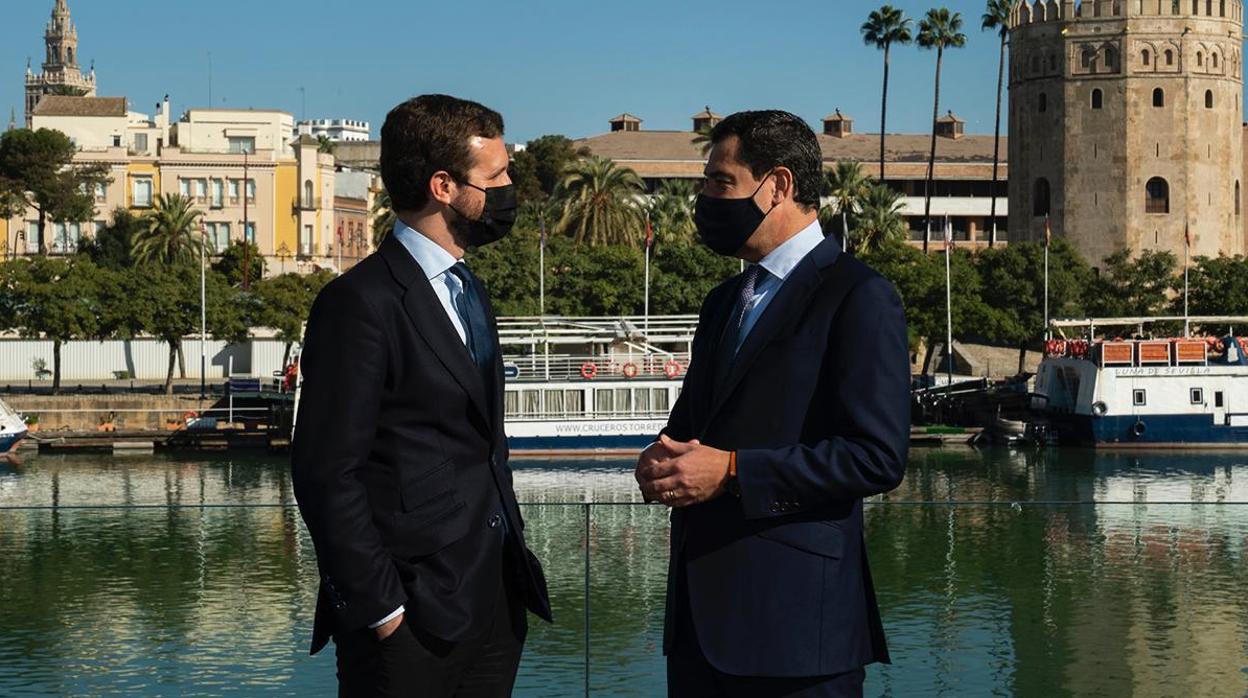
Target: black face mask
{"points": [[726, 224], [497, 217]]}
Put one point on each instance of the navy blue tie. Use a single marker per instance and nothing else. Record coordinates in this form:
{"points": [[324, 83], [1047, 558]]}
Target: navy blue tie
{"points": [[471, 311]]}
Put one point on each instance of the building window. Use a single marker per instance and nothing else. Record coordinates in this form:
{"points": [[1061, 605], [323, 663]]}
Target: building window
{"points": [[116, 141], [233, 191], [1052, 61], [218, 236], [1040, 198], [1146, 57], [1157, 196], [251, 191], [1085, 59], [1169, 57], [218, 193], [1111, 59], [1044, 102], [1159, 97], [1035, 64], [1097, 99], [142, 192], [1214, 58], [305, 241], [242, 144], [1198, 396], [1200, 58], [65, 237], [1139, 397], [140, 142], [101, 192], [1218, 400], [249, 233], [1208, 99], [307, 194]]}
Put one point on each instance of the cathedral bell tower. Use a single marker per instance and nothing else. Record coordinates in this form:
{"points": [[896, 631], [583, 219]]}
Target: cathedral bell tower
{"points": [[61, 74]]}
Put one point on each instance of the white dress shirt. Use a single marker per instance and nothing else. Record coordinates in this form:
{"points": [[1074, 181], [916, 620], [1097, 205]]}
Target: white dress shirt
{"points": [[776, 268], [436, 263]]}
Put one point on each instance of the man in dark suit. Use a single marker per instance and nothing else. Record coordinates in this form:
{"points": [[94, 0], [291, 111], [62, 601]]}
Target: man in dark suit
{"points": [[400, 463], [795, 408]]}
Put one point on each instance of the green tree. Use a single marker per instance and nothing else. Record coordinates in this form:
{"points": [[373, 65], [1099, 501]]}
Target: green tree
{"points": [[551, 156], [601, 280], [172, 234], [509, 268], [37, 170], [997, 16], [1015, 274], [325, 145], [383, 217], [671, 211], [1132, 287], [54, 299], [1219, 286], [883, 28], [879, 219], [702, 138], [230, 265], [113, 245], [939, 29], [683, 273], [283, 303], [847, 185], [601, 203]]}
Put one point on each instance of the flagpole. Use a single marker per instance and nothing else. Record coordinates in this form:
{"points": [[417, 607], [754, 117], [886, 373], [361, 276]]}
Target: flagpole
{"points": [[1187, 254], [1048, 235], [203, 314], [646, 323], [949, 299]]}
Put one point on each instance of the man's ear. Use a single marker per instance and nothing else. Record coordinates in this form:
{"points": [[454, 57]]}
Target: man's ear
{"points": [[786, 185], [441, 187]]}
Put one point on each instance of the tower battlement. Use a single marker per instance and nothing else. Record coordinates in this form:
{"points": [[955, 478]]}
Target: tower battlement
{"points": [[1040, 11]]}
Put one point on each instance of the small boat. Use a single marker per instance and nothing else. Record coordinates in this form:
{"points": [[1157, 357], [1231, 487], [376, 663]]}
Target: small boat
{"points": [[1146, 391], [12, 429]]}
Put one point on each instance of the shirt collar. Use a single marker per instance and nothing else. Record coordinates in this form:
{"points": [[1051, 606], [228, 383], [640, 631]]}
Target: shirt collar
{"points": [[782, 260], [432, 258]]}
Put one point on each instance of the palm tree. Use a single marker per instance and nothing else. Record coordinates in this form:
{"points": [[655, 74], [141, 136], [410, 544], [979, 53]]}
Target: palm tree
{"points": [[171, 232], [704, 139], [997, 17], [846, 185], [879, 217], [600, 202], [939, 29], [671, 210], [383, 218], [883, 28]]}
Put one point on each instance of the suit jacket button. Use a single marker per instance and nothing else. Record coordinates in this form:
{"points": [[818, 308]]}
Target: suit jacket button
{"points": [[495, 521]]}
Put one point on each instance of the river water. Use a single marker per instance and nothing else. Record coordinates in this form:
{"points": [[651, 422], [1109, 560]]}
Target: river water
{"points": [[1047, 573]]}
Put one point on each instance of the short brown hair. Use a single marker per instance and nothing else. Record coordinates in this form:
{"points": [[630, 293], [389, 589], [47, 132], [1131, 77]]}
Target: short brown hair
{"points": [[428, 134]]}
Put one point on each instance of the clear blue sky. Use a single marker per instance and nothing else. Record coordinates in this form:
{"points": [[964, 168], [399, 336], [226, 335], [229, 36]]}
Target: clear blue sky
{"points": [[550, 66]]}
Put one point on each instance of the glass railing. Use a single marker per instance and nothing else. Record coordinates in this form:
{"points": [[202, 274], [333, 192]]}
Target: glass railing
{"points": [[1061, 575]]}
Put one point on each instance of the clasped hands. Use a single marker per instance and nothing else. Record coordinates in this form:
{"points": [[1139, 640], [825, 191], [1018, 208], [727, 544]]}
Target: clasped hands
{"points": [[681, 473]]}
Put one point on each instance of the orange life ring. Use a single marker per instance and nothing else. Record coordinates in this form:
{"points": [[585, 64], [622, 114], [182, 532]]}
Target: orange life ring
{"points": [[672, 368], [629, 370], [589, 370]]}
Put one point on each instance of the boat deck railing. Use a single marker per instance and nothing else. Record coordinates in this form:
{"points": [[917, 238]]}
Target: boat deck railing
{"points": [[618, 366]]}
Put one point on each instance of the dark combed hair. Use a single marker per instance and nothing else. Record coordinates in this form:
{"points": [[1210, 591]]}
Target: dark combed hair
{"points": [[428, 134], [773, 138]]}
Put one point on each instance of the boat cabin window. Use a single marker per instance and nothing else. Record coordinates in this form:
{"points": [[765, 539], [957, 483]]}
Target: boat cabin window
{"points": [[1198, 396], [1217, 399], [1139, 397], [534, 402]]}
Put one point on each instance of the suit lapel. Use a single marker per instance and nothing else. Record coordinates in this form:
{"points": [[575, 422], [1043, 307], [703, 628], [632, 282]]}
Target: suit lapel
{"points": [[790, 301], [426, 313]]}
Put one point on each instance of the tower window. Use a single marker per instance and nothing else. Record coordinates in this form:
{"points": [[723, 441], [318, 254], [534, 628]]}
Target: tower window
{"points": [[1159, 97], [1111, 59], [1040, 198], [1200, 59], [1208, 99], [1086, 59], [1044, 103], [1157, 196], [1097, 99], [1169, 57], [1213, 57], [1146, 57]]}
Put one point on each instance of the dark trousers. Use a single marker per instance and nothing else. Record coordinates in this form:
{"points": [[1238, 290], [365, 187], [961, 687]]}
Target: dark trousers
{"points": [[690, 675], [411, 662]]}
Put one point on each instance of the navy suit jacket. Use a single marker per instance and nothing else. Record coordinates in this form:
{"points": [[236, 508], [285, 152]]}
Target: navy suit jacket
{"points": [[816, 404], [400, 461]]}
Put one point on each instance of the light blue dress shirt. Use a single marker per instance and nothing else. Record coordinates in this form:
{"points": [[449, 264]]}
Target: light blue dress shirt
{"points": [[436, 262], [776, 268]]}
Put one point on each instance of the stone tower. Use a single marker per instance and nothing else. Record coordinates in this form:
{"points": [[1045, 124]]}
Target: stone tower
{"points": [[1126, 124], [61, 73]]}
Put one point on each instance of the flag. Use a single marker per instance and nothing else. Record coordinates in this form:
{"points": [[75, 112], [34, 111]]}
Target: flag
{"points": [[948, 232], [1187, 235], [649, 234], [339, 232], [1048, 231]]}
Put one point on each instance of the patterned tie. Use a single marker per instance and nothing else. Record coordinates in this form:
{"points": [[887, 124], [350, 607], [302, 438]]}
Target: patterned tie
{"points": [[472, 313], [744, 299]]}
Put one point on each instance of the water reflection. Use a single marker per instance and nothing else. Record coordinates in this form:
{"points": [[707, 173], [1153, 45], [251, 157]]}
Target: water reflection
{"points": [[1014, 573]]}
